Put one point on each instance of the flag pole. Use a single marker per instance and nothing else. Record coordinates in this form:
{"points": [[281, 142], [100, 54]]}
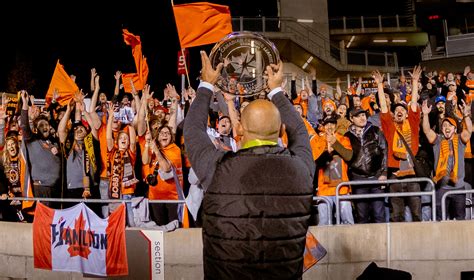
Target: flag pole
{"points": [[186, 66], [182, 50]]}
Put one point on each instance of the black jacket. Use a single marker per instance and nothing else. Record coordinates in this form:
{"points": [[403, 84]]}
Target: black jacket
{"points": [[256, 215], [369, 158], [257, 203]]}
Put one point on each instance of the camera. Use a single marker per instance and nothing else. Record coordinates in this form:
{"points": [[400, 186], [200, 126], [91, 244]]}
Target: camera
{"points": [[152, 179]]}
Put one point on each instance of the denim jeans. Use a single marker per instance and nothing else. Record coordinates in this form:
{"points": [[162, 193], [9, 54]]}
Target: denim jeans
{"points": [[104, 194], [128, 205], [363, 206], [346, 211], [455, 205], [399, 203]]}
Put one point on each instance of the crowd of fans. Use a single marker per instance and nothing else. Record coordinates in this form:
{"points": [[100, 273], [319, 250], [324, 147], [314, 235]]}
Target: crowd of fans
{"points": [[132, 147]]}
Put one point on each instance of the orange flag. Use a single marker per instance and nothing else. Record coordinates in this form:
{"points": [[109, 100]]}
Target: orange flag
{"points": [[64, 84], [201, 23], [139, 78]]}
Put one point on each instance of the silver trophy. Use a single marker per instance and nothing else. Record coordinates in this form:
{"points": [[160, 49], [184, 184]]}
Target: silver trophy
{"points": [[245, 56]]}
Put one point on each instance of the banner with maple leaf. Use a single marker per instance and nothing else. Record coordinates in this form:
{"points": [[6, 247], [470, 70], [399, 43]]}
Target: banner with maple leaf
{"points": [[76, 239]]}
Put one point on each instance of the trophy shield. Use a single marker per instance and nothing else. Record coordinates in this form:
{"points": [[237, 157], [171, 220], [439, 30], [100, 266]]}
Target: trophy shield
{"points": [[245, 56]]}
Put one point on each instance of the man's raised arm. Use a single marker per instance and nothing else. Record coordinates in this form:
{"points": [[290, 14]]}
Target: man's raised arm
{"points": [[201, 152], [298, 139]]}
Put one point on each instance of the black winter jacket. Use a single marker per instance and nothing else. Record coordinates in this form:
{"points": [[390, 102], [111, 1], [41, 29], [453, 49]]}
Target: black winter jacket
{"points": [[257, 202], [256, 214], [369, 157]]}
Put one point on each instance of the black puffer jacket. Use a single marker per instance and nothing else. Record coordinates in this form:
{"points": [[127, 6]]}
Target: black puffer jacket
{"points": [[256, 214], [369, 157]]}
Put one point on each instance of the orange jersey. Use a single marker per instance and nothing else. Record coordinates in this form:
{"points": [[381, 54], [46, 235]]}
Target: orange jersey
{"points": [[166, 189], [326, 185]]}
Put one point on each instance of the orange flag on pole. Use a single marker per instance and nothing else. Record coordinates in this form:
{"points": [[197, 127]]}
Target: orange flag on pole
{"points": [[139, 78], [201, 23], [63, 83]]}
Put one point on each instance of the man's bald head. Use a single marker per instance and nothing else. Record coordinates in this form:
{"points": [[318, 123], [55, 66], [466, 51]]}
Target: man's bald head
{"points": [[261, 120]]}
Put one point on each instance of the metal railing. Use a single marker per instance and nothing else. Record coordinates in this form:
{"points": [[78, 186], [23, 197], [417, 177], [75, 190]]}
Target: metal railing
{"points": [[443, 200], [459, 25], [92, 200], [372, 23], [328, 204], [398, 194], [315, 42]]}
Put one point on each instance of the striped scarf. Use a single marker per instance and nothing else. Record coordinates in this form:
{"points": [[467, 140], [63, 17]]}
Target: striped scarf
{"points": [[442, 166], [399, 149], [406, 165]]}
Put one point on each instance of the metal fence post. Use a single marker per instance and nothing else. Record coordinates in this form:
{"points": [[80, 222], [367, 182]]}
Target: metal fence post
{"points": [[362, 23], [380, 23], [263, 24], [241, 19], [398, 21], [386, 59], [443, 200], [395, 60], [344, 23], [366, 58], [328, 204]]}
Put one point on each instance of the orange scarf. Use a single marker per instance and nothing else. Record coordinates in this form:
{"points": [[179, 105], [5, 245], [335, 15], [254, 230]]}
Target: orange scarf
{"points": [[406, 164], [399, 149], [121, 173], [468, 151], [442, 166]]}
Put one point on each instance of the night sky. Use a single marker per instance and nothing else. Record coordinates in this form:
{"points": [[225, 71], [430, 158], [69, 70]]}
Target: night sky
{"points": [[82, 36], [85, 36]]}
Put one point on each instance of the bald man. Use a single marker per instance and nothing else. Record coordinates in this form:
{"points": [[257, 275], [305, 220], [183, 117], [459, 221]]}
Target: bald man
{"points": [[257, 200]]}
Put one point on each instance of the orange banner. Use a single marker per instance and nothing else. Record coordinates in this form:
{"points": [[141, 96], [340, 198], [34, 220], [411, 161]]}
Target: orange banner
{"points": [[139, 79], [63, 83], [201, 23]]}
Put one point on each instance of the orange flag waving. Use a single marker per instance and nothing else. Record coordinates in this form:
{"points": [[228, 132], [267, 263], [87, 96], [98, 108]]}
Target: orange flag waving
{"points": [[139, 78], [201, 23], [65, 86]]}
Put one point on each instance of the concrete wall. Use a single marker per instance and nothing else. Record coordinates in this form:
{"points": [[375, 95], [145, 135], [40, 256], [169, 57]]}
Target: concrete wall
{"points": [[317, 10], [426, 250]]}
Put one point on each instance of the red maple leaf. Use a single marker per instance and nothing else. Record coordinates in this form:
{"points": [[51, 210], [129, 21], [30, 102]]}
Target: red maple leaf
{"points": [[79, 246]]}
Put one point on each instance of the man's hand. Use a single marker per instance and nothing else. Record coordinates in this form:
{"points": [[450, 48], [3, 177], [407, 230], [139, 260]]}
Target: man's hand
{"points": [[383, 178], [86, 193], [415, 76], [228, 97], [172, 93], [117, 75], [465, 109], [378, 77], [79, 96], [331, 138], [134, 90], [425, 108], [208, 74], [467, 69], [71, 105], [24, 99], [275, 75]]}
